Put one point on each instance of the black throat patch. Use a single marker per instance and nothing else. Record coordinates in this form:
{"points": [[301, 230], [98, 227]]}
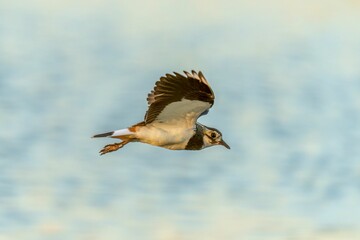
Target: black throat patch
{"points": [[196, 142]]}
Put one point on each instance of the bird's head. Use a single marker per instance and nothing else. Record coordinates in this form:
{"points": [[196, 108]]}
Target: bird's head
{"points": [[213, 137]]}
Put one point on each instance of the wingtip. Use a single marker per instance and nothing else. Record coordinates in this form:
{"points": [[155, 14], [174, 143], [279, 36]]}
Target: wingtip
{"points": [[194, 74]]}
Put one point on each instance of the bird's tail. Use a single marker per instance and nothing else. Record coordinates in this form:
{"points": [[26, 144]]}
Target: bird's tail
{"points": [[126, 135], [107, 134], [123, 134]]}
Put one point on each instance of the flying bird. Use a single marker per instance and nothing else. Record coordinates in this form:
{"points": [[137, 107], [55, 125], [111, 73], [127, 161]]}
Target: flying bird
{"points": [[175, 104]]}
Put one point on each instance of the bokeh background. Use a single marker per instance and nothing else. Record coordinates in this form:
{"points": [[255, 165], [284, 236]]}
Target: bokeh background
{"points": [[287, 81]]}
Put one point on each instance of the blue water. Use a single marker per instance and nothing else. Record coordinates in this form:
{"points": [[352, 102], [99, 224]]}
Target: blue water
{"points": [[287, 84]]}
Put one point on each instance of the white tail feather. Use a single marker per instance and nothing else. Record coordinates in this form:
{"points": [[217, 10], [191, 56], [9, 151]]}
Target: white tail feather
{"points": [[121, 132]]}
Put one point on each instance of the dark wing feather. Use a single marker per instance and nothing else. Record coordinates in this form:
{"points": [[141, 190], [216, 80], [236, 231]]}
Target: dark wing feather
{"points": [[175, 88]]}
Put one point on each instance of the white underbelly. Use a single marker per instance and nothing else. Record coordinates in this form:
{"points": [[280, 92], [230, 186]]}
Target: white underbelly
{"points": [[170, 137]]}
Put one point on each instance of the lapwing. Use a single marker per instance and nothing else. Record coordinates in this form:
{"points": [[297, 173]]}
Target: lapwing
{"points": [[174, 105]]}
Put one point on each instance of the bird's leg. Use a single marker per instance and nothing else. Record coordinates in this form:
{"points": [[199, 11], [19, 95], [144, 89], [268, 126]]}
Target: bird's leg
{"points": [[112, 147]]}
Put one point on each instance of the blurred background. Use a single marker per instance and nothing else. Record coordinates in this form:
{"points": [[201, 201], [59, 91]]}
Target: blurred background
{"points": [[287, 81]]}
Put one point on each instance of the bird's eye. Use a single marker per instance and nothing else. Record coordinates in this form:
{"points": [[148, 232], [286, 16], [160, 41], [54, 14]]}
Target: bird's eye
{"points": [[213, 135]]}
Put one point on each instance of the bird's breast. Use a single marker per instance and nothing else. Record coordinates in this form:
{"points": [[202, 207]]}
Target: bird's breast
{"points": [[163, 135]]}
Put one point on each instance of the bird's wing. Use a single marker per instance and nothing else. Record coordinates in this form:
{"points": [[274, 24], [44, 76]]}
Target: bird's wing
{"points": [[179, 98]]}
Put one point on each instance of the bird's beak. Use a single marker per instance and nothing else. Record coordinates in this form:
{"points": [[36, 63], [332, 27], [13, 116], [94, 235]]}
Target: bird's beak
{"points": [[222, 142]]}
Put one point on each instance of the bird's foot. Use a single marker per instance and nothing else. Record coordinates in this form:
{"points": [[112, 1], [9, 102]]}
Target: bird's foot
{"points": [[112, 147]]}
